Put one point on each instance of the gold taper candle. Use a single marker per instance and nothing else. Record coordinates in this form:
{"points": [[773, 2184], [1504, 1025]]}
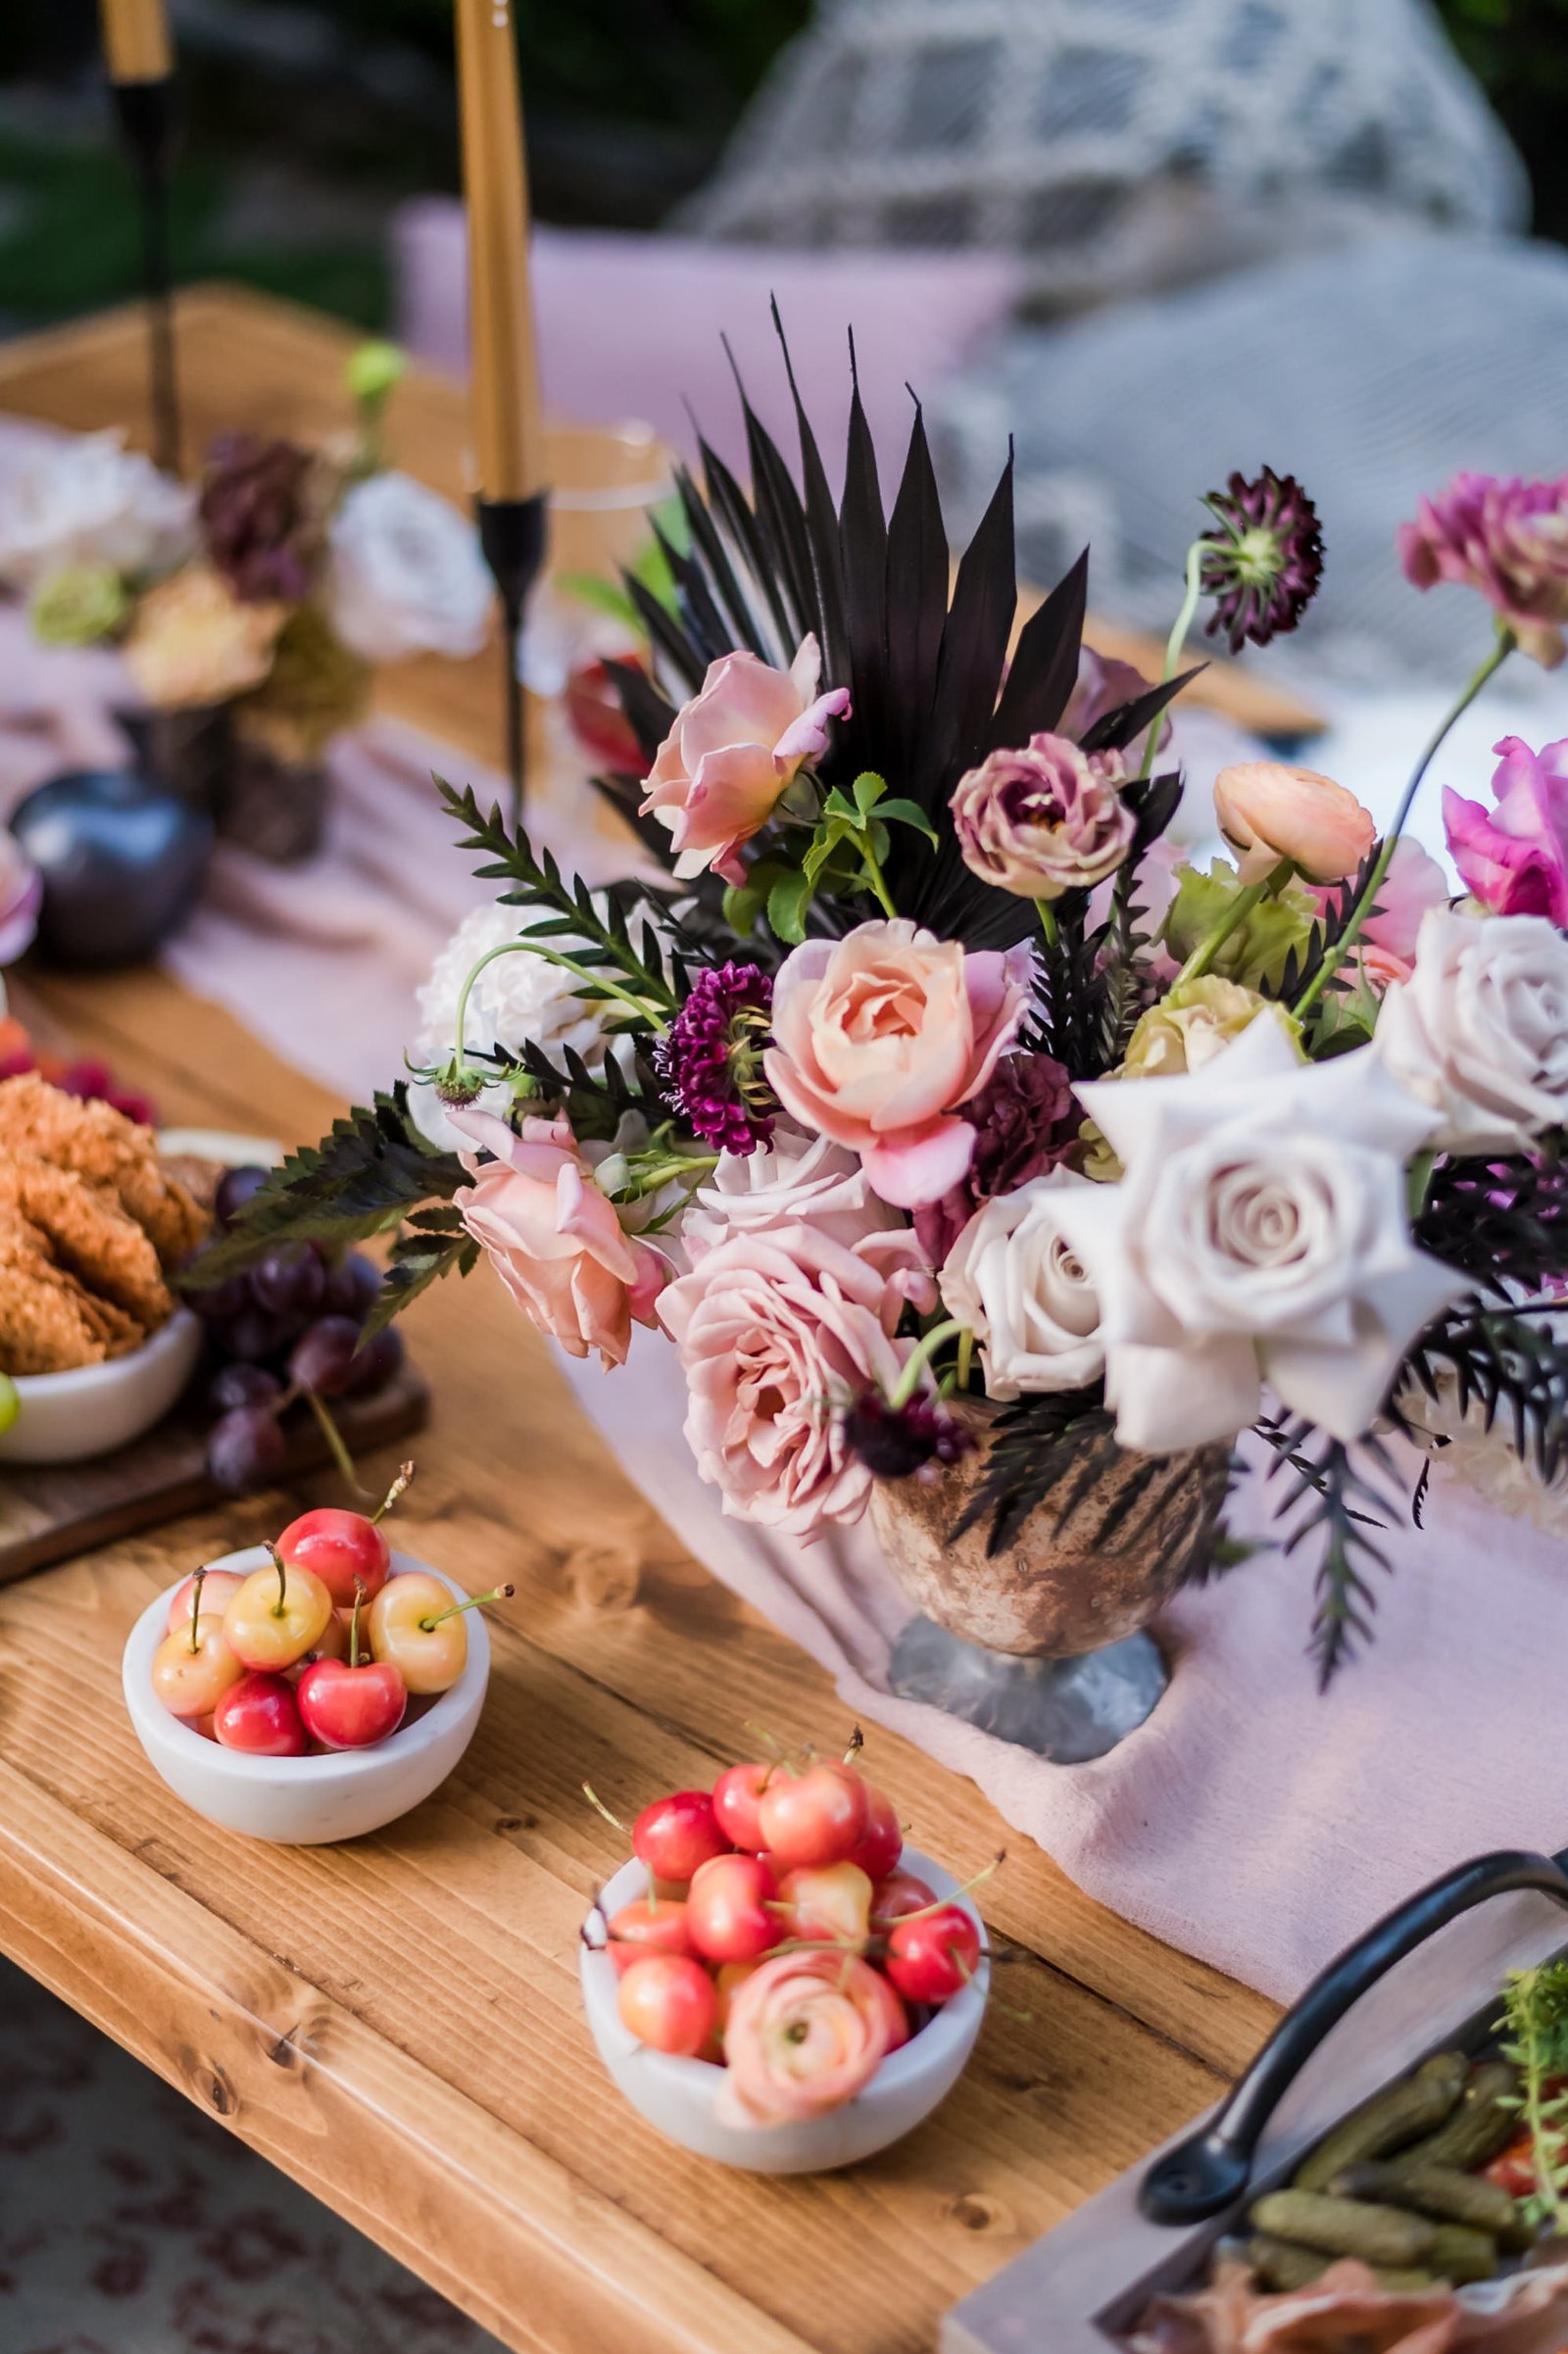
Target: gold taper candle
{"points": [[495, 184], [137, 40]]}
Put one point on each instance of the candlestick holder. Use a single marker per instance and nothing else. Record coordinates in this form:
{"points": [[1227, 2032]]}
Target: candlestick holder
{"points": [[512, 536], [146, 113]]}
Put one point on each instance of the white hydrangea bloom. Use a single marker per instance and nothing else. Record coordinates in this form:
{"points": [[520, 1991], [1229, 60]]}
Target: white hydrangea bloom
{"points": [[87, 500]]}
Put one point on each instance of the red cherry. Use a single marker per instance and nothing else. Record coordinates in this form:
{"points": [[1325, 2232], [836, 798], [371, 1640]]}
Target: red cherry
{"points": [[651, 1925], [260, 1714], [932, 1956], [351, 1708], [881, 1844], [727, 1909], [737, 1802], [899, 1894], [668, 2001], [817, 1817], [674, 1834], [342, 1549]]}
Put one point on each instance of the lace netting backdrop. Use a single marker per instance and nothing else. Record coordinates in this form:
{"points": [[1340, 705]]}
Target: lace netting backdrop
{"points": [[1114, 143]]}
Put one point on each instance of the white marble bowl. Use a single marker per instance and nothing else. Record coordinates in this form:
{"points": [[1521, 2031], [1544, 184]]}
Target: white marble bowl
{"points": [[677, 2096], [71, 1417], [304, 1802]]}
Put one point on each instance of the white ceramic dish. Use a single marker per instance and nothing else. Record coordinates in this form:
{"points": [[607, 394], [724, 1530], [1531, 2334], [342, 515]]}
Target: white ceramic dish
{"points": [[71, 1417], [677, 2096], [304, 1802]]}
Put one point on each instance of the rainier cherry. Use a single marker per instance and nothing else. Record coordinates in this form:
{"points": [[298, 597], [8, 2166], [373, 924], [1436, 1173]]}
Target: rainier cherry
{"points": [[817, 1817], [674, 1834], [649, 1925], [829, 1901], [277, 1615], [881, 1844], [350, 1704], [932, 1956], [416, 1625], [262, 1715], [668, 2001], [218, 1586], [346, 1551], [193, 1670], [737, 1802], [727, 1909]]}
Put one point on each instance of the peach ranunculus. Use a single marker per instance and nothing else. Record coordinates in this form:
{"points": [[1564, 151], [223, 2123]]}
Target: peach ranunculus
{"points": [[805, 2033], [775, 1331], [734, 748], [1268, 812], [880, 1036], [554, 1238]]}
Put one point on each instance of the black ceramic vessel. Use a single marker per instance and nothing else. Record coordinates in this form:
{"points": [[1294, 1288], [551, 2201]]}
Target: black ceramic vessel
{"points": [[122, 859]]}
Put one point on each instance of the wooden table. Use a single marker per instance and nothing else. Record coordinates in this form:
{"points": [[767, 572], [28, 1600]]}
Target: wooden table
{"points": [[395, 2023]]}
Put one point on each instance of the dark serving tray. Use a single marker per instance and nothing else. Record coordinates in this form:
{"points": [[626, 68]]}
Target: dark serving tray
{"points": [[1424, 1980]]}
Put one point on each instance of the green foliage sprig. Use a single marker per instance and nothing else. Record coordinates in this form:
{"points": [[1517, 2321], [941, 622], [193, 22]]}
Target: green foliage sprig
{"points": [[1535, 2027]]}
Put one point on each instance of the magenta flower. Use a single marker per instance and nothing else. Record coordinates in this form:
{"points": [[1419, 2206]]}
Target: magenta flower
{"points": [[1514, 859], [711, 1063], [1506, 538]]}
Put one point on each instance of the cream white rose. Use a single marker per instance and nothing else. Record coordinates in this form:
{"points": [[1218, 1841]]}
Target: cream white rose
{"points": [[87, 500], [1015, 1279], [1480, 1030], [404, 575], [1259, 1235]]}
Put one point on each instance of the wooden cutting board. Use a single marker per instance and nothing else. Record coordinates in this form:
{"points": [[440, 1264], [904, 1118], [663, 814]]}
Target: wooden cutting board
{"points": [[59, 1509]]}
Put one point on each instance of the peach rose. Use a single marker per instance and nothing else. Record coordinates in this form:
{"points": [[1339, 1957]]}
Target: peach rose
{"points": [[554, 1238], [775, 1331], [805, 2033], [1268, 812], [877, 1039], [732, 751]]}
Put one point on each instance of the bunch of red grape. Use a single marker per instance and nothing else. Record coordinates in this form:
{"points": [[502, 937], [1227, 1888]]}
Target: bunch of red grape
{"points": [[286, 1329]]}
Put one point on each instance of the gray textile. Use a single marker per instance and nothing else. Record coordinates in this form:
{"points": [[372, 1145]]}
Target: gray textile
{"points": [[1372, 374], [1114, 144]]}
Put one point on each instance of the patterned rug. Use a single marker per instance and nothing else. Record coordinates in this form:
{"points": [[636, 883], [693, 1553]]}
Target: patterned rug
{"points": [[131, 2223]]}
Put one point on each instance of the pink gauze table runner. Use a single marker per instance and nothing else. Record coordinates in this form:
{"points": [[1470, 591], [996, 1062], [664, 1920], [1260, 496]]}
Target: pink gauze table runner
{"points": [[1249, 1822]]}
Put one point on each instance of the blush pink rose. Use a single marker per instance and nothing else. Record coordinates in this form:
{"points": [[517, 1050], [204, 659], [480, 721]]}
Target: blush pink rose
{"points": [[809, 1180], [1044, 819], [733, 750], [805, 2033], [1514, 857], [775, 1331], [554, 1238], [1508, 539], [1268, 812], [880, 1036]]}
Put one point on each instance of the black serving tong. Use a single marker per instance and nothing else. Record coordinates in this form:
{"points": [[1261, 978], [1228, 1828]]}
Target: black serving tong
{"points": [[1204, 2176]]}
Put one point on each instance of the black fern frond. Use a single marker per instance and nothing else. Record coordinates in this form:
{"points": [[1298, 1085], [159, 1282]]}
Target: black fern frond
{"points": [[1514, 1366], [1301, 972], [596, 1102], [1334, 1498], [1035, 1443], [428, 1249], [1501, 1222]]}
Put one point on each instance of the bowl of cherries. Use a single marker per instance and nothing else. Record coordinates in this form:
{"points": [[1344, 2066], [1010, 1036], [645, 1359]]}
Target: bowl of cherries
{"points": [[774, 1980], [313, 1688]]}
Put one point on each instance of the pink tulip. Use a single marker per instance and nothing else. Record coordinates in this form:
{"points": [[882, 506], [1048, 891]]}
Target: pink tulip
{"points": [[880, 1036], [1514, 859], [734, 748], [554, 1238], [807, 2031]]}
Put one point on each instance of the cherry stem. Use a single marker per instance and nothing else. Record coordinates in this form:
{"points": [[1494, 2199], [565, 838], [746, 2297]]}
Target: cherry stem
{"points": [[354, 1623], [394, 1495], [600, 1808], [500, 1594], [336, 1446], [280, 1606], [196, 1603], [857, 1745], [892, 1921]]}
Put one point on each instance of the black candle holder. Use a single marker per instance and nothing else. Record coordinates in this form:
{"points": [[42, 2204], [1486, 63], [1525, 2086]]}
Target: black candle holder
{"points": [[146, 111], [512, 536]]}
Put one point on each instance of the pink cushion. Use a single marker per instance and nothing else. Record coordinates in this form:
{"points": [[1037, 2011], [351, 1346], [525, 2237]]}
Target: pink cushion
{"points": [[631, 326]]}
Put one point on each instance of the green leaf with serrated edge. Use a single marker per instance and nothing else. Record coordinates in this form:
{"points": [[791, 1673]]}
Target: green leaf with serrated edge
{"points": [[787, 903], [907, 812], [868, 789], [836, 806]]}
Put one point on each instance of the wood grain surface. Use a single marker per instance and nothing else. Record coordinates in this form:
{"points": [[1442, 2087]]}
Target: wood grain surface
{"points": [[396, 2022]]}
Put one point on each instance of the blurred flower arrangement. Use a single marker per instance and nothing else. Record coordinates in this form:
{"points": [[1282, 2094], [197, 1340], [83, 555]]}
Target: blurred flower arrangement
{"points": [[268, 592], [934, 1109]]}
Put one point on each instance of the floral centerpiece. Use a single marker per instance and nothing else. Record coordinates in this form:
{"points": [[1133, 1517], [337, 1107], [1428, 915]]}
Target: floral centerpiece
{"points": [[950, 1128], [252, 607]]}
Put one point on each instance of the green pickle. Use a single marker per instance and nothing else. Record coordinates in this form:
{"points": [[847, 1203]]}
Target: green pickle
{"points": [[1437, 2190], [1402, 2112], [1479, 2127], [1459, 2254], [1377, 2235]]}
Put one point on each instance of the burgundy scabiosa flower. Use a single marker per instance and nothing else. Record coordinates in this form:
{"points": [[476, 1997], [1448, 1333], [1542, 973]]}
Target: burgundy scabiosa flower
{"points": [[258, 518], [893, 1442], [710, 1061], [1263, 560]]}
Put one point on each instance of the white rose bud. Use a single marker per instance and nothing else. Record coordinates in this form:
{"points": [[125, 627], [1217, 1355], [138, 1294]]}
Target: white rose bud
{"points": [[1480, 1031], [1016, 1282]]}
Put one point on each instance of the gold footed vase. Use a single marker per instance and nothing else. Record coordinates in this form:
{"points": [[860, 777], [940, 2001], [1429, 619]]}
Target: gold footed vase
{"points": [[1046, 1641]]}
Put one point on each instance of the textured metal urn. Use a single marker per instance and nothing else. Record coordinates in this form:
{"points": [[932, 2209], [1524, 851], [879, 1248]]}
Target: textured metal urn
{"points": [[1043, 1641]]}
